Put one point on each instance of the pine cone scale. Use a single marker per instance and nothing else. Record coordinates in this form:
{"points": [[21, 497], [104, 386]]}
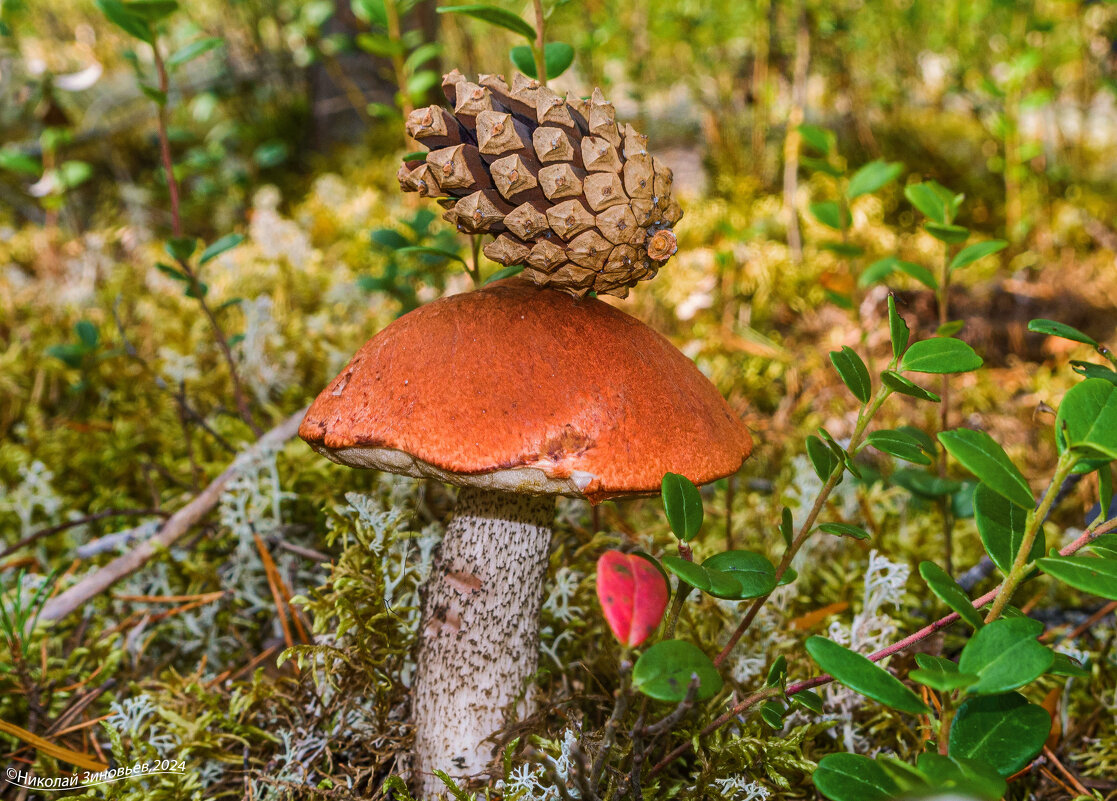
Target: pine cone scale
{"points": [[562, 187]]}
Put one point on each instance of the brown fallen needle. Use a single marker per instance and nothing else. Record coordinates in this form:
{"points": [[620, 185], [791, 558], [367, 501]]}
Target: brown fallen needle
{"points": [[175, 526]]}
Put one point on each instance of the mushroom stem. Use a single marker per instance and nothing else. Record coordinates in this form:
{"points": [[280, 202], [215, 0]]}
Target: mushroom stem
{"points": [[479, 644]]}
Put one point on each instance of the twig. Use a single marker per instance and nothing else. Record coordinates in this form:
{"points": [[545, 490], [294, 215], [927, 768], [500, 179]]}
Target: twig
{"points": [[619, 709], [176, 228], [81, 521], [678, 713], [165, 142], [749, 702], [1089, 622], [160, 382], [1054, 760], [1035, 520], [785, 562], [177, 524], [539, 49], [306, 553]]}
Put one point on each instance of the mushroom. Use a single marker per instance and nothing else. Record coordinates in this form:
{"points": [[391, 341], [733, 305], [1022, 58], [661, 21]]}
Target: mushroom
{"points": [[516, 394]]}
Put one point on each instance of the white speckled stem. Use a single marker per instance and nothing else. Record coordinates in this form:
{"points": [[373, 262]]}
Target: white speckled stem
{"points": [[479, 643]]}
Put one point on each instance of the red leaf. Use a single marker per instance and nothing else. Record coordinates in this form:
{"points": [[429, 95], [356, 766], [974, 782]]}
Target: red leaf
{"points": [[633, 595]]}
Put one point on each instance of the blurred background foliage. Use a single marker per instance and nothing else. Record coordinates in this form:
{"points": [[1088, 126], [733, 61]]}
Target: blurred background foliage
{"points": [[283, 119]]}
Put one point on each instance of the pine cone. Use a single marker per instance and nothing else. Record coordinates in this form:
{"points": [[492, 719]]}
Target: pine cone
{"points": [[566, 191]]}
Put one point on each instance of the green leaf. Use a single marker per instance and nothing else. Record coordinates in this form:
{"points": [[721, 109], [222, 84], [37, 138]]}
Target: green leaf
{"points": [[1087, 419], [1061, 330], [152, 10], [523, 58], [899, 444], [818, 138], [181, 247], [17, 162], [429, 251], [557, 58], [74, 173], [1089, 370], [981, 455], [821, 165], [1067, 666], [853, 372], [838, 299], [777, 673], [772, 713], [940, 674], [822, 458], [370, 11], [386, 237], [942, 683], [227, 242], [1105, 545], [897, 383], [918, 272], [1002, 524], [494, 15], [786, 527], [87, 334], [384, 111], [841, 453], [898, 330], [1091, 574], [664, 671], [882, 268], [962, 777], [877, 271], [950, 329], [859, 674], [270, 154], [808, 699], [752, 571], [872, 177], [950, 593], [505, 272], [71, 354], [906, 775], [193, 50], [379, 44], [978, 250], [1004, 731], [845, 249], [1105, 490], [929, 202], [1005, 655], [708, 580], [420, 56], [682, 504], [157, 96], [172, 272], [830, 214], [950, 234], [924, 484], [130, 22], [422, 81], [940, 355], [844, 530], [852, 777]]}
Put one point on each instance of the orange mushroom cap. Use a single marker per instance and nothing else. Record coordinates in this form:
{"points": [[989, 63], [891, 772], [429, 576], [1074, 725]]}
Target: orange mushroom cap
{"points": [[526, 389]]}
